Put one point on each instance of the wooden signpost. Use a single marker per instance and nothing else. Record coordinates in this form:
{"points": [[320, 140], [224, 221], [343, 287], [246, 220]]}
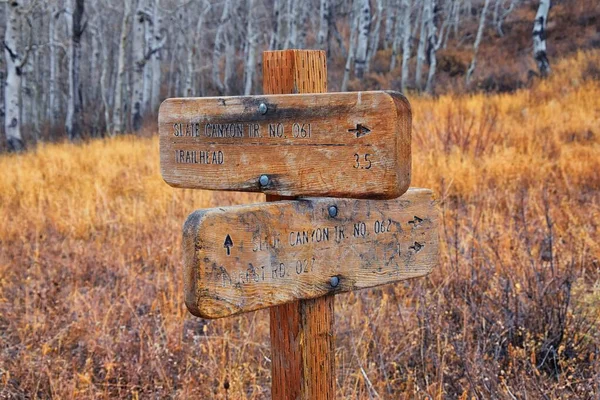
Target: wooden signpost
{"points": [[294, 254]]}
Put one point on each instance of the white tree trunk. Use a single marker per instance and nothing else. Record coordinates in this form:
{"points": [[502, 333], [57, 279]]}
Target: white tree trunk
{"points": [[277, 30], [503, 14], [104, 92], [364, 27], [406, 11], [297, 26], [351, 49], [52, 111], [374, 39], [149, 36], [432, 46], [118, 118], [478, 40], [395, 41], [292, 19], [390, 24], [539, 38], [195, 51], [252, 37], [157, 58], [76, 27], [216, 68], [324, 21], [138, 50], [422, 43], [14, 75]]}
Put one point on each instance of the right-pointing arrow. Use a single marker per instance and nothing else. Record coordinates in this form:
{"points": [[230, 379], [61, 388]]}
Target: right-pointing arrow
{"points": [[360, 130]]}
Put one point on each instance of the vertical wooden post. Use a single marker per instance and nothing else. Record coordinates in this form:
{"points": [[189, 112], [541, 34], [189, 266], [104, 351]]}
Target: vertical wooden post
{"points": [[302, 341]]}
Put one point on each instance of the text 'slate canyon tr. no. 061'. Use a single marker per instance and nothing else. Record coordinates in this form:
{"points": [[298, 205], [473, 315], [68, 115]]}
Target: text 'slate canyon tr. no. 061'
{"points": [[243, 258], [354, 144]]}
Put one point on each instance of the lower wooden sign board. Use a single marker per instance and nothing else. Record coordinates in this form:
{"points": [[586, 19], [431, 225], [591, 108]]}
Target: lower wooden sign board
{"points": [[354, 144], [244, 258]]}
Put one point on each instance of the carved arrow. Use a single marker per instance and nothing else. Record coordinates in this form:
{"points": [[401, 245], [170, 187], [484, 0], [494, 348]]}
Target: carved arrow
{"points": [[228, 244], [360, 130]]}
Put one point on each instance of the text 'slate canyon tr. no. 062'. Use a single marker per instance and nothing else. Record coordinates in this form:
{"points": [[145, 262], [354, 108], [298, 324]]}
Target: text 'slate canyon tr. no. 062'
{"points": [[243, 258], [354, 144]]}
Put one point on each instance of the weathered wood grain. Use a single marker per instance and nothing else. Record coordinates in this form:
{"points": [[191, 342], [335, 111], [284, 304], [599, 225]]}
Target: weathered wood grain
{"points": [[244, 258], [302, 332], [328, 144]]}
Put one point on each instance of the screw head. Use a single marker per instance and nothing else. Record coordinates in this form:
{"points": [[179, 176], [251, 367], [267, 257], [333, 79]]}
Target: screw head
{"points": [[263, 180], [334, 281], [262, 108], [333, 211]]}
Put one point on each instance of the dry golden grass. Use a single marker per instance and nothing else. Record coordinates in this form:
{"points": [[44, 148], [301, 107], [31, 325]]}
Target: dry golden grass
{"points": [[91, 287]]}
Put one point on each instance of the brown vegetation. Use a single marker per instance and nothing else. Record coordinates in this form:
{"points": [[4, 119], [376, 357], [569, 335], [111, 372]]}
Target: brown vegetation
{"points": [[91, 301]]}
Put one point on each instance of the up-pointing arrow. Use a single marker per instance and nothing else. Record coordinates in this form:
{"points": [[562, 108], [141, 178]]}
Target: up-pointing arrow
{"points": [[228, 244], [360, 130]]}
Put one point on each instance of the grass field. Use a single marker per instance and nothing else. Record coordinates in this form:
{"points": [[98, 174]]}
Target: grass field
{"points": [[91, 301]]}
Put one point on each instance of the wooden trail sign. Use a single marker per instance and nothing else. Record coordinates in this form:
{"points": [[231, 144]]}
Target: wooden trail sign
{"points": [[327, 144], [294, 255], [243, 258]]}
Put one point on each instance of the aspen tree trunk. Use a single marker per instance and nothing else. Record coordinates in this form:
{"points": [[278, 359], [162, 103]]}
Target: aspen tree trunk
{"points": [[74, 108], [52, 111], [149, 36], [139, 66], [216, 68], [157, 57], [396, 36], [299, 15], [422, 43], [118, 118], [364, 28], [374, 39], [324, 21], [432, 46], [94, 90], [292, 18], [252, 37], [351, 47], [390, 24], [301, 26], [406, 11], [503, 16], [104, 92], [539, 38], [478, 40], [16, 59], [276, 33], [192, 55]]}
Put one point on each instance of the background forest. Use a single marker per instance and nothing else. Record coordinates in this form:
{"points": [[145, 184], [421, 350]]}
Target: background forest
{"points": [[506, 131], [76, 68]]}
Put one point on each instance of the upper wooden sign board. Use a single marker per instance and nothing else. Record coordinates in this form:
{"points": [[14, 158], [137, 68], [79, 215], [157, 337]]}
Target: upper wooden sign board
{"points": [[244, 258], [354, 144]]}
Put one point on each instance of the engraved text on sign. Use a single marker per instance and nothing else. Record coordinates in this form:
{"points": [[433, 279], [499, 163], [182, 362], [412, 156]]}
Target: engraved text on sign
{"points": [[243, 258], [331, 144]]}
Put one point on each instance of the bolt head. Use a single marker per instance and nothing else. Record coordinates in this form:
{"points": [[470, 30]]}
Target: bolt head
{"points": [[262, 108], [263, 180], [334, 281], [333, 211]]}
